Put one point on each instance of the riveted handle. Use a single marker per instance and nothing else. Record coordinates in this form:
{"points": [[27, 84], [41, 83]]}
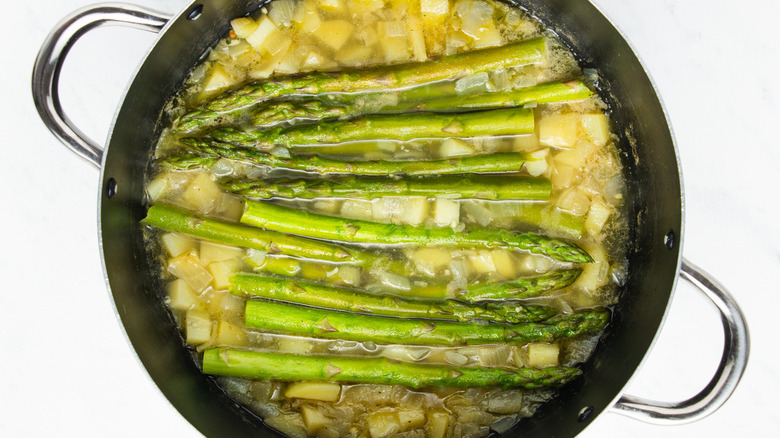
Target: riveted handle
{"points": [[48, 64], [736, 349]]}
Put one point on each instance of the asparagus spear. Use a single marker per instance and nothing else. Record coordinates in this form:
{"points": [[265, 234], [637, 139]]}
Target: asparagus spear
{"points": [[336, 298], [491, 187], [511, 121], [174, 219], [388, 77], [213, 150], [304, 223], [439, 99], [293, 319], [515, 289], [292, 367], [523, 287]]}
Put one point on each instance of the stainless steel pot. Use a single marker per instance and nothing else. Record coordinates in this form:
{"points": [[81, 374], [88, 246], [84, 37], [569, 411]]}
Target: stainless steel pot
{"points": [[648, 153]]}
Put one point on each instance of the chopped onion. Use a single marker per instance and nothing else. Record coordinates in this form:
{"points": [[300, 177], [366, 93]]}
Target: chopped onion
{"points": [[614, 189], [472, 83], [395, 281], [280, 151], [223, 167], [506, 402], [282, 11], [500, 80], [494, 355], [455, 358], [395, 28], [477, 212], [503, 424]]}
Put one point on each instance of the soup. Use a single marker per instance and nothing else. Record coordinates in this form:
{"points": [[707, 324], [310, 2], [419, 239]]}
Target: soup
{"points": [[389, 218]]}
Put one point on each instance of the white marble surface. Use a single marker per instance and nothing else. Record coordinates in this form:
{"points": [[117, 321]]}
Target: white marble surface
{"points": [[66, 369]]}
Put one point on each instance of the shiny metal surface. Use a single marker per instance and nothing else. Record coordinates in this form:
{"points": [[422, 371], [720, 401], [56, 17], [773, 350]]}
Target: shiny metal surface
{"points": [[736, 349], [48, 64], [649, 158]]}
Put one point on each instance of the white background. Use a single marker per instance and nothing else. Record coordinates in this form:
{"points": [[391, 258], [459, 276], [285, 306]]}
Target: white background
{"points": [[67, 370]]}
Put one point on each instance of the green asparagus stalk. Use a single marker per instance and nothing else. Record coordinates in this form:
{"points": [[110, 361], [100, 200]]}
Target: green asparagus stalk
{"points": [[523, 287], [515, 289], [380, 78], [291, 367], [213, 150], [511, 121], [440, 99], [308, 224], [336, 298], [491, 187], [173, 219], [293, 319]]}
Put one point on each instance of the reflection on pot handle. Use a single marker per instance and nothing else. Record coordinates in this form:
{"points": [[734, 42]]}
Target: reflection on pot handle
{"points": [[732, 364], [48, 64]]}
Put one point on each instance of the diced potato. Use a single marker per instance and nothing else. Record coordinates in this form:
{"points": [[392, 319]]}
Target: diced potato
{"points": [[351, 275], [157, 188], [354, 55], [362, 7], [328, 206], [482, 262], [574, 201], [431, 260], [215, 252], [290, 425], [357, 209], [454, 147], [438, 423], [446, 212], [314, 61], [269, 63], [189, 269], [596, 127], [504, 263], [334, 33], [594, 274], [180, 295], [395, 49], [311, 18], [332, 6], [537, 162], [202, 194], [294, 345], [558, 130], [243, 26], [323, 391], [488, 36], [177, 244], [230, 207], [576, 156], [541, 355], [219, 79], [265, 35], [411, 418], [383, 424], [198, 327], [523, 143], [562, 176], [414, 210], [222, 271], [386, 209], [314, 419], [416, 38], [535, 263], [597, 217], [229, 334], [434, 10]]}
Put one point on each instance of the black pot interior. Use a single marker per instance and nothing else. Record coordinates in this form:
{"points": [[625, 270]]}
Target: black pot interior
{"points": [[648, 155]]}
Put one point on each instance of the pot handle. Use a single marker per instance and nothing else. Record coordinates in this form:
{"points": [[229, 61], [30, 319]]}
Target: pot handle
{"points": [[732, 364], [48, 64]]}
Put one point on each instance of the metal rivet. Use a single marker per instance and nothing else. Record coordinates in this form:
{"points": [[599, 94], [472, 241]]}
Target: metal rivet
{"points": [[669, 240], [584, 413], [195, 12], [111, 188]]}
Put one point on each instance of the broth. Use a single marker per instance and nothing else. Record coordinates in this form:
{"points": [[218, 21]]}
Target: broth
{"points": [[570, 163]]}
